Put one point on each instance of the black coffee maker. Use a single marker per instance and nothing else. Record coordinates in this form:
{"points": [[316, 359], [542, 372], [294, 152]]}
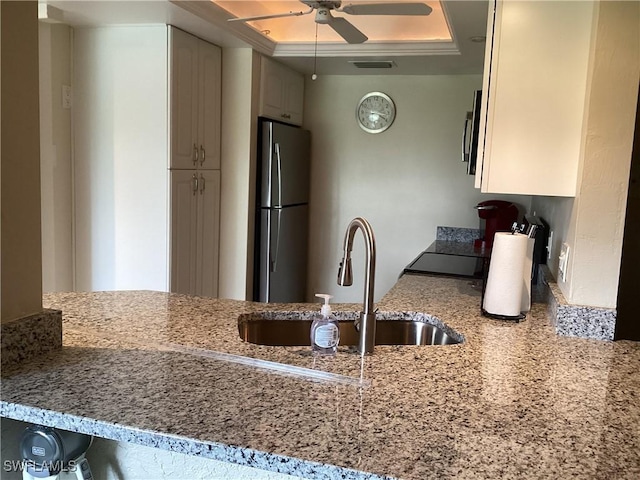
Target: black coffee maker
{"points": [[540, 246]]}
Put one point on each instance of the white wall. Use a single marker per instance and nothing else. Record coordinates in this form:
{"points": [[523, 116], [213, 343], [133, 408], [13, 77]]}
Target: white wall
{"points": [[240, 74], [55, 158], [557, 211], [121, 177], [405, 181], [593, 223]]}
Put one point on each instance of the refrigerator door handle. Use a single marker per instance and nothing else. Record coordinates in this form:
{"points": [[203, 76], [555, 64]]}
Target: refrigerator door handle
{"points": [[279, 170], [274, 259]]}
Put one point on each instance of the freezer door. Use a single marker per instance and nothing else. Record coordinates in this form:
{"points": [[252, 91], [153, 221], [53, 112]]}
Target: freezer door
{"points": [[283, 254], [285, 165]]}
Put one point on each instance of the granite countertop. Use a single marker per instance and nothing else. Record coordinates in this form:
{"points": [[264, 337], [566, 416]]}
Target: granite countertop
{"points": [[169, 371]]}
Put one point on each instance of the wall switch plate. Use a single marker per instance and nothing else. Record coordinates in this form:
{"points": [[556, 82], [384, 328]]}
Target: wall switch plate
{"points": [[563, 262]]}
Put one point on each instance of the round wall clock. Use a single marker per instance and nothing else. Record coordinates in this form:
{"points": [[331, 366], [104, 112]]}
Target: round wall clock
{"points": [[375, 112]]}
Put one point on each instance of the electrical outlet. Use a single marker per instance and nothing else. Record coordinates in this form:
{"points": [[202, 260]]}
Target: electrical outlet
{"points": [[563, 262], [549, 244]]}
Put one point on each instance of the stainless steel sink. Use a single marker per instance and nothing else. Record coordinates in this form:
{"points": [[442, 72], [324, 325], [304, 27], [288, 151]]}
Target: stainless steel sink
{"points": [[296, 332]]}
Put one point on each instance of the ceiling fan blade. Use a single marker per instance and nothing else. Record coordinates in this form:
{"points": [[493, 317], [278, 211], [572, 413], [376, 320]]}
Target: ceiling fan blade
{"points": [[347, 31], [265, 17], [387, 9]]}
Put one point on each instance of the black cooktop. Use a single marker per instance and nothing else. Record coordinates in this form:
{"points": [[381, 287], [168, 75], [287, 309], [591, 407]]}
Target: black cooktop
{"points": [[432, 263]]}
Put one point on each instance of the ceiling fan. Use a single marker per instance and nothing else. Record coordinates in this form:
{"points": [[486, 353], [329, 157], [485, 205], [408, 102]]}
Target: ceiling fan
{"points": [[341, 25]]}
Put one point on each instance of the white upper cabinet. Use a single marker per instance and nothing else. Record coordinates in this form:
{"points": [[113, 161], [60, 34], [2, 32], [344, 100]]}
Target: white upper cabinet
{"points": [[210, 92], [535, 84], [195, 86], [281, 92]]}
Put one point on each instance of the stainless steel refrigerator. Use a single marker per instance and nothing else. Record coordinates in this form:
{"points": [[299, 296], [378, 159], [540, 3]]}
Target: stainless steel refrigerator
{"points": [[282, 219]]}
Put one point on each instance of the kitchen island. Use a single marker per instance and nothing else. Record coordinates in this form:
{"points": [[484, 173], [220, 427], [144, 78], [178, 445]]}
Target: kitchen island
{"points": [[170, 371]]}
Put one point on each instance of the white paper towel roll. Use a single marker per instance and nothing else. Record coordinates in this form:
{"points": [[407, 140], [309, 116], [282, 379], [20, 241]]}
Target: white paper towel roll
{"points": [[506, 291]]}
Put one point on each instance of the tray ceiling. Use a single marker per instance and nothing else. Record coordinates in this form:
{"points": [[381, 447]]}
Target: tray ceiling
{"points": [[379, 28]]}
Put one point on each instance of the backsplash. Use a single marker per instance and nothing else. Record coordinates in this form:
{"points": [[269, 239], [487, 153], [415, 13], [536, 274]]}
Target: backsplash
{"points": [[577, 320], [458, 234], [28, 337]]}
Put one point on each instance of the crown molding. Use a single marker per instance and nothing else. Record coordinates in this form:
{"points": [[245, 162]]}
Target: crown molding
{"points": [[218, 16]]}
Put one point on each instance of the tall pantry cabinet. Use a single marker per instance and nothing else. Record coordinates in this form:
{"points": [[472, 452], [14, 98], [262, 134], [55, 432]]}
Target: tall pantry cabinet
{"points": [[195, 86], [146, 160]]}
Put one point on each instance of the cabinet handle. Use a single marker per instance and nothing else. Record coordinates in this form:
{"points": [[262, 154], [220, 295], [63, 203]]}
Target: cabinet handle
{"points": [[202, 155], [194, 182], [202, 184], [195, 154], [285, 115], [466, 137]]}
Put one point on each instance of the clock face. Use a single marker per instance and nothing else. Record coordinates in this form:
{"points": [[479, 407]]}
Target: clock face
{"points": [[375, 112]]}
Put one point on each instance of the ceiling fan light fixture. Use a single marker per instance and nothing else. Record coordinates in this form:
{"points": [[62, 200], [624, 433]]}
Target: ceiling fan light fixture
{"points": [[323, 16], [372, 63]]}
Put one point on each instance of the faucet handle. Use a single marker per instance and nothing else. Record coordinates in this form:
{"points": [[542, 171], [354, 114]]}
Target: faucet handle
{"points": [[345, 272]]}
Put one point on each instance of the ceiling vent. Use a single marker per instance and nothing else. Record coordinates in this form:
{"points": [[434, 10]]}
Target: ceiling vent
{"points": [[372, 63]]}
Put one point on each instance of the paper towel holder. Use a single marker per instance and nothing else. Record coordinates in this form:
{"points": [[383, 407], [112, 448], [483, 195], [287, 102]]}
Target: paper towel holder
{"points": [[506, 292], [513, 318]]}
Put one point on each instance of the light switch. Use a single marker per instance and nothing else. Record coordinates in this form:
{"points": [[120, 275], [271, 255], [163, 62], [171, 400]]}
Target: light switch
{"points": [[563, 262]]}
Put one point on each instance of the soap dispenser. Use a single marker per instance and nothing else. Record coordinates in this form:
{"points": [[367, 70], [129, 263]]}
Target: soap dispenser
{"points": [[325, 333]]}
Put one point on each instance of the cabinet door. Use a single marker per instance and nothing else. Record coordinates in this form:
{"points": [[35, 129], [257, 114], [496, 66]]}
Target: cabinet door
{"points": [[183, 80], [210, 87], [184, 198], [208, 233], [294, 97], [281, 92], [536, 97], [272, 88]]}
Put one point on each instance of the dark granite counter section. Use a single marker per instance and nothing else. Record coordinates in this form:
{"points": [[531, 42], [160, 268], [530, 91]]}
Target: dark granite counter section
{"points": [[467, 249], [169, 371]]}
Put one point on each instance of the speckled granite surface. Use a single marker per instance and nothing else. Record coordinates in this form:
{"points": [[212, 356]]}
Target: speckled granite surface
{"points": [[458, 234], [28, 337], [572, 320], [512, 401], [577, 320]]}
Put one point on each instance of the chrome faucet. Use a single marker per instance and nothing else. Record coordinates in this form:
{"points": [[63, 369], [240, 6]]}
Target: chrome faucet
{"points": [[367, 323]]}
